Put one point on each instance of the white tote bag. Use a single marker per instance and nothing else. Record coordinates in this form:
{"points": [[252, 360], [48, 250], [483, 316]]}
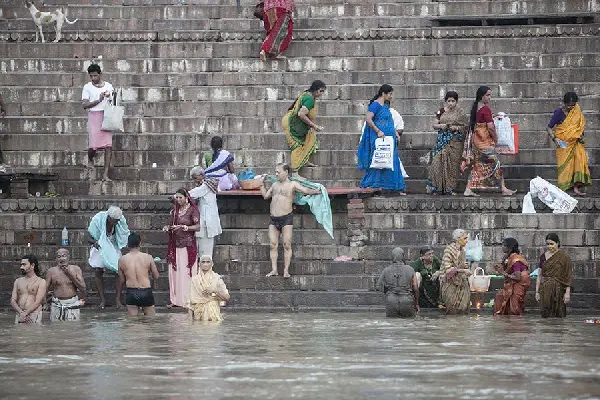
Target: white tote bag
{"points": [[383, 157], [479, 283], [113, 115]]}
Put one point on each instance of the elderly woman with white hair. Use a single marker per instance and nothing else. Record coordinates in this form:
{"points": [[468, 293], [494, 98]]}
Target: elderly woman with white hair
{"points": [[207, 290], [455, 291], [108, 232], [205, 194]]}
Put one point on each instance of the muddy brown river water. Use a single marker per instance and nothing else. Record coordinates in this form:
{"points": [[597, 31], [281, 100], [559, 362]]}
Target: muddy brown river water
{"points": [[301, 355]]}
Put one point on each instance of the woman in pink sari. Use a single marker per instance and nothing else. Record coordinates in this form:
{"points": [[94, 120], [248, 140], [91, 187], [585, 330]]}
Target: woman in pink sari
{"points": [[277, 17], [182, 253]]}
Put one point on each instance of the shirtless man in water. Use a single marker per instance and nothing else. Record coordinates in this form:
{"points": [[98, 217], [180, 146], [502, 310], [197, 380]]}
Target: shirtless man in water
{"points": [[282, 218], [28, 293], [134, 270], [64, 280]]}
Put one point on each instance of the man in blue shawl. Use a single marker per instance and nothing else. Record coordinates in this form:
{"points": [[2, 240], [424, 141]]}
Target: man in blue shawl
{"points": [[108, 235]]}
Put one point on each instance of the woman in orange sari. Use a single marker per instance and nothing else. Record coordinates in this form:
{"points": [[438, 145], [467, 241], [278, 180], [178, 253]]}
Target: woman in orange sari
{"points": [[566, 131], [480, 152], [553, 285], [510, 300]]}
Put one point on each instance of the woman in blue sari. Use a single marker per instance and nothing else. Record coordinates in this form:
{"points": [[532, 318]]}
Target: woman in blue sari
{"points": [[379, 124]]}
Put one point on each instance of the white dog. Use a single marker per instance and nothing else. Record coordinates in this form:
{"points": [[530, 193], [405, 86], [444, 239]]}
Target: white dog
{"points": [[47, 18]]}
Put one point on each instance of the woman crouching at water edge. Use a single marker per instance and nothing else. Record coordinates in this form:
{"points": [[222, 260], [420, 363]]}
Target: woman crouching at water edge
{"points": [[379, 123], [455, 290], [451, 123], [553, 284], [480, 150], [510, 300], [207, 290], [182, 252]]}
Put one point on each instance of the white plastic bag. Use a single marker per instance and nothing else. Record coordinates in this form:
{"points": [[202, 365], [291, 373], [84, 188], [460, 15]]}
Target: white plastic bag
{"points": [[506, 136], [474, 249], [479, 283], [528, 207], [552, 196], [383, 157], [113, 116]]}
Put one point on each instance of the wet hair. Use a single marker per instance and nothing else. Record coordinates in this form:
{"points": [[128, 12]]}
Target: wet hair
{"points": [[94, 68], [480, 93], [570, 97], [554, 237], [424, 250], [451, 95], [285, 167], [316, 85], [134, 240], [216, 142], [512, 245], [33, 260], [398, 254], [384, 89]]}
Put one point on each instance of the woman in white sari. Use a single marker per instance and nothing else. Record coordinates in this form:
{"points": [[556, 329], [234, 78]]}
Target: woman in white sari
{"points": [[218, 164], [207, 290]]}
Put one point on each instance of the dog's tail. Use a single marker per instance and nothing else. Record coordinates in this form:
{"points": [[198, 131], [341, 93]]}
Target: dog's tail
{"points": [[67, 20]]}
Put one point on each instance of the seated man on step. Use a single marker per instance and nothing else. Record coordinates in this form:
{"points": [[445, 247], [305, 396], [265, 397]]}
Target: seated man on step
{"points": [[282, 194]]}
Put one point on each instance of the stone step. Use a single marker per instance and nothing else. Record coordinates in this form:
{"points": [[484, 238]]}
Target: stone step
{"points": [[101, 23], [187, 3], [304, 64], [275, 108], [62, 79], [245, 125], [461, 9], [71, 164], [360, 92], [322, 48]]}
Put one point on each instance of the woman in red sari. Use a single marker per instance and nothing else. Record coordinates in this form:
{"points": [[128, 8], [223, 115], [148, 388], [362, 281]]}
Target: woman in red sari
{"points": [[277, 17], [511, 299], [182, 253]]}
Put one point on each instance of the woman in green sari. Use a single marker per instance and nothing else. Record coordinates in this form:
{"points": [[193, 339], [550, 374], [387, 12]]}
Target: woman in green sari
{"points": [[300, 127]]}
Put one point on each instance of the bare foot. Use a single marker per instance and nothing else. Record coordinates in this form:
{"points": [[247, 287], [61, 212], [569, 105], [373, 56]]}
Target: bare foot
{"points": [[105, 178], [263, 56], [309, 164], [578, 192], [272, 273], [508, 192], [401, 193], [286, 275], [170, 305], [470, 193], [102, 305], [119, 305]]}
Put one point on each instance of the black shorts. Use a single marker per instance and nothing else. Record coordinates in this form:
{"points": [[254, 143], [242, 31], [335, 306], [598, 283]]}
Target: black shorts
{"points": [[139, 297], [284, 220]]}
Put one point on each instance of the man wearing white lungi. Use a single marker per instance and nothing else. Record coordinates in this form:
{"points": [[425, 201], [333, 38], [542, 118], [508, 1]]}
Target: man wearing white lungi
{"points": [[64, 280]]}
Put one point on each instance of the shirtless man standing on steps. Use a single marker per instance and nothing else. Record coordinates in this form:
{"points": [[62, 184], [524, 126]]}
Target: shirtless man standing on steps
{"points": [[134, 270], [282, 218]]}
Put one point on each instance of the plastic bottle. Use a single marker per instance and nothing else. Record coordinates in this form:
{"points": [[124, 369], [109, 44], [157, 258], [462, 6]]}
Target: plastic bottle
{"points": [[65, 237]]}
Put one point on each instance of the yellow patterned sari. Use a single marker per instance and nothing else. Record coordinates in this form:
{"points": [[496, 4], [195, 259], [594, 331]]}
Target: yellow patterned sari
{"points": [[572, 161]]}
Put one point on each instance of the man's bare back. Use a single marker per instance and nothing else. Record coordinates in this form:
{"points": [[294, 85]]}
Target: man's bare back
{"points": [[136, 267]]}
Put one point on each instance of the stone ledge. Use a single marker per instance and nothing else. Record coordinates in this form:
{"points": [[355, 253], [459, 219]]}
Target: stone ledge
{"points": [[338, 34]]}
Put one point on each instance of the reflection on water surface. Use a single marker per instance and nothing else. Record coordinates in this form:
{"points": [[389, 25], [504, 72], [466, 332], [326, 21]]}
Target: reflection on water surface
{"points": [[304, 355]]}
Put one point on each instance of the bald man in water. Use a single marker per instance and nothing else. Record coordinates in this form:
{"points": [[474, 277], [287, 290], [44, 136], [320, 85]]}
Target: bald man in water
{"points": [[399, 284], [134, 270], [64, 280]]}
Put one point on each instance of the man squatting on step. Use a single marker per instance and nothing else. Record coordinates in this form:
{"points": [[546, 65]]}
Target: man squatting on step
{"points": [[28, 293], [399, 284], [282, 194], [63, 281], [134, 270]]}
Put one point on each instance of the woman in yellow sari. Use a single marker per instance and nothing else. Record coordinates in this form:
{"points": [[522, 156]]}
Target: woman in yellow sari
{"points": [[300, 127], [566, 131], [207, 290]]}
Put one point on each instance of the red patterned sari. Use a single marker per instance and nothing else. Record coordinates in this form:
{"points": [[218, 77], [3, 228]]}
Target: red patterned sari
{"points": [[510, 300], [279, 26]]}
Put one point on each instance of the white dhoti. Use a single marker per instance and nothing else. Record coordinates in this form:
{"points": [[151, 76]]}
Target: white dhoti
{"points": [[204, 243], [65, 310]]}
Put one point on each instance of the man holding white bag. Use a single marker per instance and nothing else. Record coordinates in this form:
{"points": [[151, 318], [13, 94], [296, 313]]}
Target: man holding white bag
{"points": [[96, 95]]}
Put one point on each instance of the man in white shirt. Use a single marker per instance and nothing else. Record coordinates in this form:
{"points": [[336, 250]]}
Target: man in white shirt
{"points": [[205, 193], [96, 95]]}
